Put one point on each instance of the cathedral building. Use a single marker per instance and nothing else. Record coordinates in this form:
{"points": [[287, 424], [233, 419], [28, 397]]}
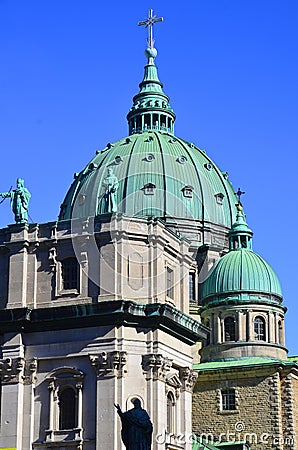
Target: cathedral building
{"points": [[146, 287]]}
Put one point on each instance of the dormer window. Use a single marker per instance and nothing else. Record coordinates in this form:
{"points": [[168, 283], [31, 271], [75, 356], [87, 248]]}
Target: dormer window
{"points": [[182, 159], [149, 157], [187, 191], [149, 189], [219, 198], [118, 160], [208, 166]]}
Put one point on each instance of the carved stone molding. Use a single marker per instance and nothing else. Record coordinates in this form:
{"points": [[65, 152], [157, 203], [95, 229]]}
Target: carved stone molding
{"points": [[109, 364], [173, 384], [188, 378], [53, 258], [18, 370], [156, 366], [30, 371]]}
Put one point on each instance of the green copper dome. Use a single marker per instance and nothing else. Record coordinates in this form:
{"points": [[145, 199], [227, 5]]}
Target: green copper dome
{"points": [[151, 172], [241, 274], [157, 175]]}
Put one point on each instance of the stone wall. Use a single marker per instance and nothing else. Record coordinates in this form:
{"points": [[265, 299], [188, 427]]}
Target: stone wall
{"points": [[295, 408], [257, 413]]}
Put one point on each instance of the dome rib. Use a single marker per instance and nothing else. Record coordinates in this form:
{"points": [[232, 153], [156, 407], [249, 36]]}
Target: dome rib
{"points": [[127, 171], [164, 175], [164, 170], [199, 179]]}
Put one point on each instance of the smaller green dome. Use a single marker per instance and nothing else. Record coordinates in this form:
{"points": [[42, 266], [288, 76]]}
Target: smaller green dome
{"points": [[240, 271], [241, 274]]}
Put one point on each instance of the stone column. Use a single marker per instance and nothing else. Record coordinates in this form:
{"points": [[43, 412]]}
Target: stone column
{"points": [[249, 326], [18, 265], [110, 367], [32, 277], [240, 329], [218, 337], [12, 402], [156, 367], [79, 387], [28, 381], [188, 379]]}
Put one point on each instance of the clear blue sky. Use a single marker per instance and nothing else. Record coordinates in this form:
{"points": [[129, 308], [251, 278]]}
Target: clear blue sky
{"points": [[69, 69]]}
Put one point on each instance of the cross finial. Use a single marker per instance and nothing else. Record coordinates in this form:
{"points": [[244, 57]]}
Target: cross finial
{"points": [[239, 193], [149, 22]]}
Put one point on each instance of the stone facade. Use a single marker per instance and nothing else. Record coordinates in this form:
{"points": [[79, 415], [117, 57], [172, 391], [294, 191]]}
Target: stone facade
{"points": [[264, 414], [112, 328]]}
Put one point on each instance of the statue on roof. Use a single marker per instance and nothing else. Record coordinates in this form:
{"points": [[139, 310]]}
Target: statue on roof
{"points": [[137, 428], [19, 200], [111, 185]]}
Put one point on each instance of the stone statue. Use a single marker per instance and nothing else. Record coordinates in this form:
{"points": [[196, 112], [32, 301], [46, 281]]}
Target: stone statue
{"points": [[111, 185], [137, 428], [19, 200]]}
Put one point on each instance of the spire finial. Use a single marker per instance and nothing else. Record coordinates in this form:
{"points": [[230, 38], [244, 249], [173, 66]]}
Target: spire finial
{"points": [[240, 235], [149, 22], [239, 193]]}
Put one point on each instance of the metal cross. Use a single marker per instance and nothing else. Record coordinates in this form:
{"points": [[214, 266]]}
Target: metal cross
{"points": [[239, 193], [149, 22]]}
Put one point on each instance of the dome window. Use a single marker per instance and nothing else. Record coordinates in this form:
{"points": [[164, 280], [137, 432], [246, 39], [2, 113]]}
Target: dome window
{"points": [[109, 145], [182, 159], [208, 166], [229, 329], [149, 157], [187, 191], [219, 198], [149, 189], [92, 166], [171, 141], [259, 329], [149, 139], [118, 160], [127, 140]]}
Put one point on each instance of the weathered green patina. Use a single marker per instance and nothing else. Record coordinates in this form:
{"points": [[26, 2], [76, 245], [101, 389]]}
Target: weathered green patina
{"points": [[241, 275], [19, 199], [170, 165], [158, 174], [244, 363]]}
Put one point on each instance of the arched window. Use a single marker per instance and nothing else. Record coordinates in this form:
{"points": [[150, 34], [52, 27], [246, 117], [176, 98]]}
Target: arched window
{"points": [[67, 409], [69, 273], [229, 329], [259, 329], [170, 282], [280, 332], [170, 413]]}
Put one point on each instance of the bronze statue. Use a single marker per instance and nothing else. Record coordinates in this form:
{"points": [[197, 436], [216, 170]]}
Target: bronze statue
{"points": [[111, 185], [137, 428], [19, 200]]}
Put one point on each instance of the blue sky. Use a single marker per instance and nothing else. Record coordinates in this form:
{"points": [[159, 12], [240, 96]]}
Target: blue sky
{"points": [[69, 69]]}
